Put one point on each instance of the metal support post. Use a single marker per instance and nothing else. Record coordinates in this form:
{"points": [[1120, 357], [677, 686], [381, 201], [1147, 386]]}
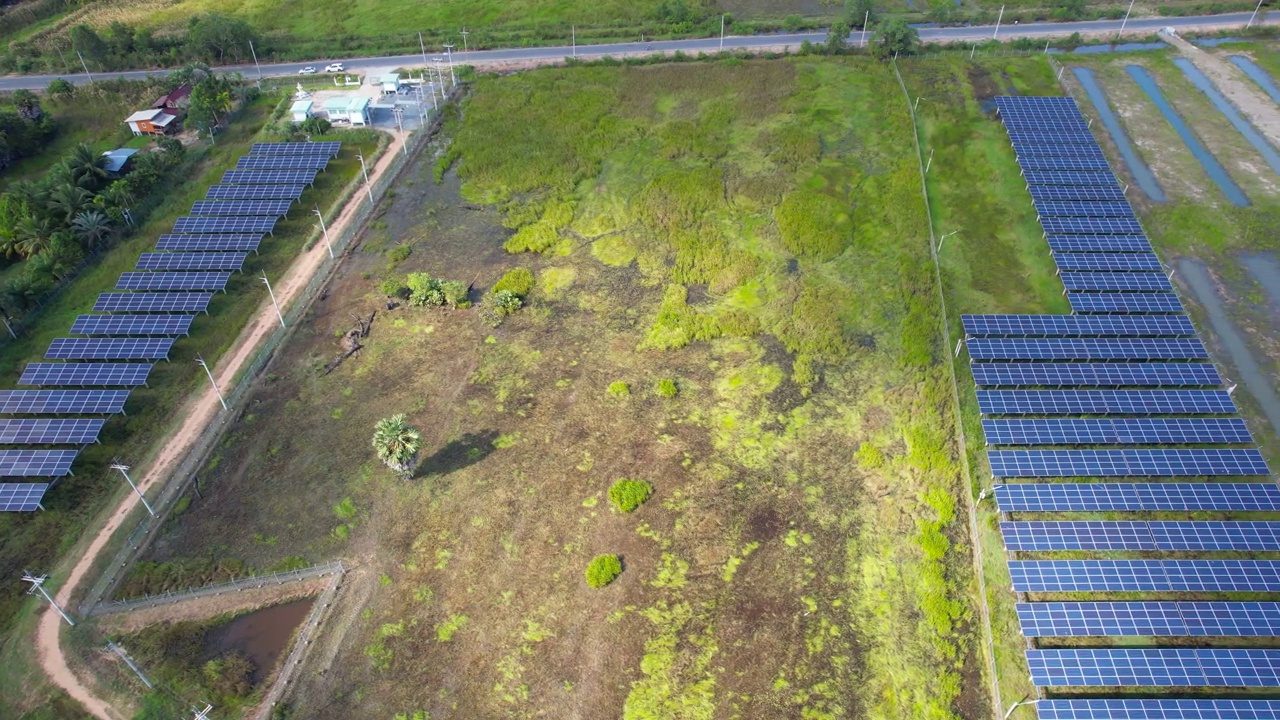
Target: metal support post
{"points": [[200, 361], [37, 585], [124, 470], [324, 230], [272, 293]]}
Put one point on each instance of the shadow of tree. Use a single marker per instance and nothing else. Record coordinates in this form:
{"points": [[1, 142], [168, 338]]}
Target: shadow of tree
{"points": [[458, 453]]}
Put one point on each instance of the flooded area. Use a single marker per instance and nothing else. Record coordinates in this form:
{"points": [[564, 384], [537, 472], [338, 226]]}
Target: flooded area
{"points": [[1256, 74], [1215, 42], [1242, 126], [262, 636], [1142, 174], [1210, 164], [1112, 48], [1250, 372]]}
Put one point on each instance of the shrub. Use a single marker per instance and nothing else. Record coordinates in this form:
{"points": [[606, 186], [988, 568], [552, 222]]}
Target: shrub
{"points": [[602, 570], [424, 289], [399, 253], [619, 389], [627, 495], [455, 293], [394, 288], [666, 388], [315, 126], [498, 305], [518, 282]]}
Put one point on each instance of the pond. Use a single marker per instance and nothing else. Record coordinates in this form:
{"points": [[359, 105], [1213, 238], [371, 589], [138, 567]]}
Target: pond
{"points": [[1242, 126], [1142, 174], [262, 636], [1257, 74]]}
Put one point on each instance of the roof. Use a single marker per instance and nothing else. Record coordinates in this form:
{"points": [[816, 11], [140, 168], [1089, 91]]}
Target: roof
{"points": [[173, 95], [163, 119], [337, 103], [116, 159], [358, 104], [301, 106], [391, 78], [142, 115]]}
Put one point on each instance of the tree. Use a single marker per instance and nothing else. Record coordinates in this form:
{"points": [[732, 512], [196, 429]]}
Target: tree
{"points": [[88, 43], [861, 11], [12, 211], [397, 443], [220, 37], [86, 167], [93, 228], [28, 105], [66, 201], [837, 36], [893, 37], [33, 235]]}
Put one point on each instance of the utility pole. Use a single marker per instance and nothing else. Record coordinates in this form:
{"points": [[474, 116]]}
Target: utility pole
{"points": [[422, 46], [367, 188], [124, 470], [255, 62], [464, 35], [279, 314], [448, 50], [37, 585], [324, 230], [112, 647], [722, 32], [85, 65], [9, 327], [1254, 16], [866, 18], [573, 38], [1126, 19], [399, 116], [200, 361], [202, 714], [996, 34], [944, 239]]}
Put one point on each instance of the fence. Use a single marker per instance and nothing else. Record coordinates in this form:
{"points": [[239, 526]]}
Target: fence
{"points": [[252, 582], [238, 393], [300, 646]]}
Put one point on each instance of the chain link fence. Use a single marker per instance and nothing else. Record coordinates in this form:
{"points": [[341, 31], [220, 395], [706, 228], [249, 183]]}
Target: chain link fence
{"points": [[300, 646], [253, 582]]}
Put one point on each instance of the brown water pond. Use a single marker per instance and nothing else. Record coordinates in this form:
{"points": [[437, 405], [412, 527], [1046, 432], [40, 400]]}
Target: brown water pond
{"points": [[262, 636]]}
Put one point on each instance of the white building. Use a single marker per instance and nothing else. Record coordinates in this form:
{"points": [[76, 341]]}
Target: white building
{"points": [[301, 110]]}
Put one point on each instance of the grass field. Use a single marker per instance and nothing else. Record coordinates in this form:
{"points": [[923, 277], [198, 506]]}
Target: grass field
{"points": [[752, 231]]}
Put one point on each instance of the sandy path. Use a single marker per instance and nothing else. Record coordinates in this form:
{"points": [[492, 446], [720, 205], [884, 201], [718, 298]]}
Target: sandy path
{"points": [[200, 411], [1231, 82]]}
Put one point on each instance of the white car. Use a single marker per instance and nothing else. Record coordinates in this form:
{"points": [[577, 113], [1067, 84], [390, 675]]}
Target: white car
{"points": [[308, 70], [334, 67]]}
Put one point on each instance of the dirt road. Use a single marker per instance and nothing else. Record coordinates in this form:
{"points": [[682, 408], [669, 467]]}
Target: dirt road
{"points": [[199, 412]]}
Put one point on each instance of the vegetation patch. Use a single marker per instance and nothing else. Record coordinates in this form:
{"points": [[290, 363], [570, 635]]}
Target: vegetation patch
{"points": [[627, 495], [602, 570]]}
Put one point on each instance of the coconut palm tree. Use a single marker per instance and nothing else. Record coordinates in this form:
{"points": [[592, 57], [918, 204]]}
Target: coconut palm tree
{"points": [[93, 228], [67, 201], [397, 443], [28, 105], [85, 166], [33, 235]]}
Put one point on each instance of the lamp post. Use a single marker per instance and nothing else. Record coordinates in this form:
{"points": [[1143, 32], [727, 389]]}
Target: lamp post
{"points": [[324, 230], [1247, 25], [1126, 20], [996, 34], [448, 51], [124, 470], [200, 361], [37, 585], [365, 171], [279, 314]]}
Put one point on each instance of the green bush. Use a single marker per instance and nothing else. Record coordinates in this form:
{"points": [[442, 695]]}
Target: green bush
{"points": [[394, 288], [399, 253], [666, 388], [619, 389], [602, 570], [498, 305], [627, 495], [518, 282], [455, 293]]}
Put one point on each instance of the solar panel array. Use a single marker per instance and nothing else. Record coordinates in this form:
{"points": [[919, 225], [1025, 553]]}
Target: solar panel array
{"points": [[153, 306], [1120, 389]]}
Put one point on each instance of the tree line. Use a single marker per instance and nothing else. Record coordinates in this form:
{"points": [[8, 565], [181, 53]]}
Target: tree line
{"points": [[25, 130]]}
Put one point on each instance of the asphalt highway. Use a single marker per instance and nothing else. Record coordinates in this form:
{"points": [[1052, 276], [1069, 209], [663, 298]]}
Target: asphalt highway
{"points": [[975, 33]]}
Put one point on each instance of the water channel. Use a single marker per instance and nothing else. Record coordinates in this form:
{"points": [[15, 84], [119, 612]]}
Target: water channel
{"points": [[1142, 174], [1242, 126], [262, 636], [1256, 74]]}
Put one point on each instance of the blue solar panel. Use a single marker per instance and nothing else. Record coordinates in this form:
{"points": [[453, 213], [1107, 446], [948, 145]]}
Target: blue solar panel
{"points": [[87, 374], [1085, 349], [1105, 402], [199, 225], [50, 431], [282, 162], [1124, 302], [141, 302], [1116, 431], [36, 463], [210, 243], [1149, 619], [62, 402], [1108, 262], [1135, 497], [150, 348], [1049, 576], [1023, 122], [1183, 709], [1109, 374], [255, 192], [1090, 208], [1088, 226], [1056, 162], [269, 177], [1076, 192], [1102, 178], [21, 497], [1046, 139], [1097, 667], [1133, 462], [1166, 536], [277, 208], [1116, 281], [153, 324], [191, 261], [1078, 325], [173, 281], [296, 148], [1029, 149], [1088, 243]]}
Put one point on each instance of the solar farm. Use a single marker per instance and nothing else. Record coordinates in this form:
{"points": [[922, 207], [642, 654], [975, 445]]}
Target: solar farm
{"points": [[1118, 390], [136, 326]]}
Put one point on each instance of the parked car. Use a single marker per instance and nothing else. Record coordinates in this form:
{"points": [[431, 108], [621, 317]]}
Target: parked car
{"points": [[334, 67], [308, 70]]}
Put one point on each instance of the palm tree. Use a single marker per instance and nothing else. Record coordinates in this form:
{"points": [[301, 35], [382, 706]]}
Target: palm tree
{"points": [[68, 201], [85, 166], [397, 443], [29, 192], [33, 235], [28, 104], [93, 228]]}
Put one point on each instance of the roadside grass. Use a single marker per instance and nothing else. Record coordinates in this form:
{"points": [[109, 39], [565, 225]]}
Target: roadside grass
{"points": [[802, 537]]}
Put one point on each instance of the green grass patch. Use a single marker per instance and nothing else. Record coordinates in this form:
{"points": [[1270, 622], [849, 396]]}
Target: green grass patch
{"points": [[602, 570], [627, 495]]}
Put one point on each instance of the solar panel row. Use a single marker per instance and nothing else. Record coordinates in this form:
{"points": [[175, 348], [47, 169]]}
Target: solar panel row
{"points": [[1135, 462], [1091, 243], [1076, 192], [36, 463], [85, 374], [1149, 619], [984, 348], [1142, 709], [198, 225], [1165, 535], [1084, 208], [296, 148], [1124, 302], [1154, 668], [109, 349], [269, 191], [192, 261], [132, 325], [1137, 497], [21, 497], [62, 402], [155, 302], [1105, 402], [173, 281], [50, 431], [243, 242], [1108, 374], [1055, 576], [1116, 431], [1078, 326], [277, 208], [1108, 262], [1116, 282], [282, 162], [269, 177]]}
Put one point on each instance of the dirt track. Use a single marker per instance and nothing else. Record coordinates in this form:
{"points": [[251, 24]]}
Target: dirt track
{"points": [[198, 413]]}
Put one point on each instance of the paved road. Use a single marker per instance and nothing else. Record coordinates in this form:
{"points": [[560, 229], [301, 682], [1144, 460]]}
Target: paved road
{"points": [[977, 33]]}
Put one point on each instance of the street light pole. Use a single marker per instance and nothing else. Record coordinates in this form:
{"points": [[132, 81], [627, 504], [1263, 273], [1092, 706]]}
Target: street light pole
{"points": [[200, 361], [279, 314], [324, 230], [255, 62], [1254, 16], [722, 32], [448, 51], [365, 170], [1126, 19], [124, 470], [85, 65], [37, 584], [996, 35]]}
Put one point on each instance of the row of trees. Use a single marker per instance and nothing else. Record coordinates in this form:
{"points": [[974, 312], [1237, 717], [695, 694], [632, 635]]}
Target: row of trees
{"points": [[25, 130]]}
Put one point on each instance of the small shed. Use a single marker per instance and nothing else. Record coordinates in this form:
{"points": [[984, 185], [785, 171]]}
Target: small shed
{"points": [[176, 99], [116, 162], [391, 83], [336, 108], [151, 122], [301, 110], [358, 111]]}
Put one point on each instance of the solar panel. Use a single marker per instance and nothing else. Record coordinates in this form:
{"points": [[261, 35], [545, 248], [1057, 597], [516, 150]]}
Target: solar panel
{"points": [[1083, 150], [1098, 226], [21, 497], [132, 325], [85, 374], [195, 302], [1117, 431], [1091, 208], [1132, 462], [296, 148], [36, 463], [1085, 349], [1056, 138], [1158, 709], [1182, 667], [1102, 178], [1105, 402], [269, 177], [209, 243], [1075, 192], [192, 261], [1056, 162], [109, 349], [282, 162], [173, 281], [1149, 619], [1108, 262], [1098, 243], [1072, 536], [1135, 497], [50, 431], [1110, 374], [1117, 281], [1022, 122], [276, 208], [62, 402], [1124, 302], [224, 224], [255, 192], [1078, 325], [1048, 576]]}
